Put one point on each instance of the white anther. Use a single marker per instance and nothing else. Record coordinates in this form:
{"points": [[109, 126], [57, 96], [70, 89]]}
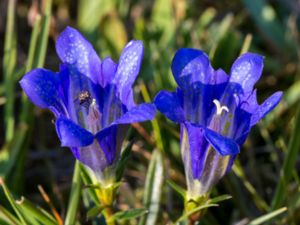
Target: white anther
{"points": [[220, 107], [93, 102]]}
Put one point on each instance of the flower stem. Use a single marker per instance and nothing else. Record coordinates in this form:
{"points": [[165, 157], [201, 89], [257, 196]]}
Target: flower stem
{"points": [[107, 196]]}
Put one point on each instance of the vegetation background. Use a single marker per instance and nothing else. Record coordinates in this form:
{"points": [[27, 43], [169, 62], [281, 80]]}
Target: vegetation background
{"points": [[265, 177]]}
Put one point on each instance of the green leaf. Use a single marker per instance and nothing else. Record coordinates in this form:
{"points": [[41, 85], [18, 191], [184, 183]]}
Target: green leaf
{"points": [[9, 64], [179, 190], [129, 214], [97, 8], [265, 18], [12, 202], [123, 161], [33, 212], [163, 20], [191, 212], [74, 196], [288, 164], [153, 188], [268, 217], [8, 216], [219, 199]]}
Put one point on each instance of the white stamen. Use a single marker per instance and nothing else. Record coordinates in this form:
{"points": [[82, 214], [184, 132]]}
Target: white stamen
{"points": [[220, 107]]}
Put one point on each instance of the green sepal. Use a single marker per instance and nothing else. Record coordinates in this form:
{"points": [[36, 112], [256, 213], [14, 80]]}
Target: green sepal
{"points": [[95, 211], [193, 211]]}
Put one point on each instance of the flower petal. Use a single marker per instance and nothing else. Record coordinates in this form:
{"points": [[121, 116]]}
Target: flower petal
{"points": [[42, 87], [191, 67], [128, 69], [72, 135], [108, 69], [73, 48], [266, 107], [223, 145], [168, 104], [198, 147], [138, 113], [246, 70], [107, 139]]}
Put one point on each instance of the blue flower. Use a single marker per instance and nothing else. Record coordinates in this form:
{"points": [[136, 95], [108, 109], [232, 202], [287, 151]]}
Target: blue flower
{"points": [[215, 112], [91, 99]]}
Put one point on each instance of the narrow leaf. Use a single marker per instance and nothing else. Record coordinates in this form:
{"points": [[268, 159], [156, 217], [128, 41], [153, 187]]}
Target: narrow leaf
{"points": [[268, 217], [74, 196], [153, 188], [179, 190]]}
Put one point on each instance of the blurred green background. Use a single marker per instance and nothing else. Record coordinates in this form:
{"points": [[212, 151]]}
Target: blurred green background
{"points": [[266, 174]]}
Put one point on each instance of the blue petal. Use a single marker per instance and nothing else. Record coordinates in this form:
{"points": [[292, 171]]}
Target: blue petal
{"points": [[113, 108], [246, 70], [128, 69], [107, 139], [168, 104], [266, 107], [198, 103], [43, 88], [72, 135], [138, 113], [108, 69], [240, 125], [73, 48], [223, 145], [198, 148], [191, 66]]}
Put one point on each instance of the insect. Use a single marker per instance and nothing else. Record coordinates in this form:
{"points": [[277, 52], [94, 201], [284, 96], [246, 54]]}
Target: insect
{"points": [[84, 98]]}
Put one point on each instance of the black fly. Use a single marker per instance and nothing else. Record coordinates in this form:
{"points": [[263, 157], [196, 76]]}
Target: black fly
{"points": [[84, 98]]}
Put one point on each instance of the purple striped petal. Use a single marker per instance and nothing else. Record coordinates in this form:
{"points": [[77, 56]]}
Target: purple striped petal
{"points": [[198, 148], [107, 139]]}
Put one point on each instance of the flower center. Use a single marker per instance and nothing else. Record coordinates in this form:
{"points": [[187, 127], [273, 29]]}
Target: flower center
{"points": [[220, 107]]}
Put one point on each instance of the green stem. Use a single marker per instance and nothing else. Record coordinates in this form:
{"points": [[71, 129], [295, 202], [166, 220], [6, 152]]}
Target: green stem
{"points": [[9, 63], [74, 196], [288, 165]]}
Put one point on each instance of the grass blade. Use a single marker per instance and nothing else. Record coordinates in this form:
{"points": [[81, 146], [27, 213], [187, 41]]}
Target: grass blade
{"points": [[153, 189], [9, 63], [12, 202], [268, 217], [74, 196], [288, 165]]}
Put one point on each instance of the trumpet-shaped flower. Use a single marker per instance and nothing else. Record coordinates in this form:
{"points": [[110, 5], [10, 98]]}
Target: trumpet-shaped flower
{"points": [[91, 99], [215, 112]]}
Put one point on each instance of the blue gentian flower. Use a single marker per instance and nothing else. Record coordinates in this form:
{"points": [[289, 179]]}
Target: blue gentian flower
{"points": [[215, 112], [91, 99]]}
